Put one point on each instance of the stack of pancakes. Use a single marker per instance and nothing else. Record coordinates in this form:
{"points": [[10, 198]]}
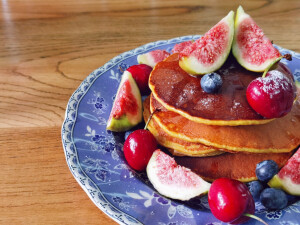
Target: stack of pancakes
{"points": [[216, 135]]}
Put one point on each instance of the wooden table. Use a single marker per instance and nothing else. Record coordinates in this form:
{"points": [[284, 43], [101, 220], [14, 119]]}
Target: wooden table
{"points": [[47, 48]]}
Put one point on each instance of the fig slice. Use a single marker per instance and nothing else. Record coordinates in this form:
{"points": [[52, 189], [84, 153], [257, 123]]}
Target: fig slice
{"points": [[172, 180], [252, 49], [208, 53], [288, 178], [127, 107], [153, 57]]}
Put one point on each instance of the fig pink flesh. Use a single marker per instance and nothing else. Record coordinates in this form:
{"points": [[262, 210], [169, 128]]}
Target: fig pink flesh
{"points": [[172, 174], [209, 47], [181, 46], [126, 102], [255, 46], [292, 168], [158, 55]]}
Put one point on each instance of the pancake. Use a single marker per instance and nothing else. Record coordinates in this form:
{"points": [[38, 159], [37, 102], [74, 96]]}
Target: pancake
{"points": [[176, 146], [280, 135], [239, 166], [180, 92]]}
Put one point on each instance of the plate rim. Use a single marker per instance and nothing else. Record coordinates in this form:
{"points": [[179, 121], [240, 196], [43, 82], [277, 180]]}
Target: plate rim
{"points": [[70, 118]]}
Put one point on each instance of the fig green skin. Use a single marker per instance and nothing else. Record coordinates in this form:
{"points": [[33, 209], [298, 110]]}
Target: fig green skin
{"points": [[297, 83], [120, 125], [191, 65], [277, 182]]}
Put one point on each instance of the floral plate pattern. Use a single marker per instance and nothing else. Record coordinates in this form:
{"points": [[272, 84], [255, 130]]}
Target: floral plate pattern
{"points": [[96, 160]]}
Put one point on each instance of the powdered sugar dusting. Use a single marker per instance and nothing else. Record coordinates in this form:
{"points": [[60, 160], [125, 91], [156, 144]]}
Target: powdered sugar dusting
{"points": [[274, 83], [236, 104], [206, 103], [186, 94]]}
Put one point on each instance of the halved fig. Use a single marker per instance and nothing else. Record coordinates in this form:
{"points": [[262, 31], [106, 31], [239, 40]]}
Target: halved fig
{"points": [[172, 180], [288, 177], [127, 108], [252, 49], [209, 53]]}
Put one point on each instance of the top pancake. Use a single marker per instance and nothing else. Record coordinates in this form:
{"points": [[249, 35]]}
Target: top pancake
{"points": [[180, 92]]}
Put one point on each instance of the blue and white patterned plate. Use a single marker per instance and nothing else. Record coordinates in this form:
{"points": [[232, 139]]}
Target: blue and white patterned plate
{"points": [[96, 160]]}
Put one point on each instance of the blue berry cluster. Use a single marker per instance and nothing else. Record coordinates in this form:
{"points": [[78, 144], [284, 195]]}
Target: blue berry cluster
{"points": [[271, 198]]}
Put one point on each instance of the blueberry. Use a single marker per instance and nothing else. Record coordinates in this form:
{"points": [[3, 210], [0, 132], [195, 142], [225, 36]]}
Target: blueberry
{"points": [[273, 198], [292, 199], [211, 82], [265, 170], [255, 188]]}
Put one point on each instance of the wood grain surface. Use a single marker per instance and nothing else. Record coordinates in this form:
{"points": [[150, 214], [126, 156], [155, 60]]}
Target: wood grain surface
{"points": [[47, 48]]}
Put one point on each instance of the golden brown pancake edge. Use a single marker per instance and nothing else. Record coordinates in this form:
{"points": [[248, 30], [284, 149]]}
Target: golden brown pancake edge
{"points": [[280, 135], [175, 145]]}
